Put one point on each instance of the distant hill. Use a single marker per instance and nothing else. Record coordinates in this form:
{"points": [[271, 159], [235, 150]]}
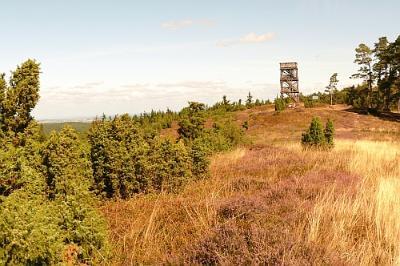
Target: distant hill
{"points": [[57, 126]]}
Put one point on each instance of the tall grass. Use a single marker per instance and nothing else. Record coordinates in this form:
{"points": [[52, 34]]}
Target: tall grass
{"points": [[363, 228], [275, 203]]}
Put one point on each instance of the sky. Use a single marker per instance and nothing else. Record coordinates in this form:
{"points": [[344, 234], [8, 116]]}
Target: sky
{"points": [[120, 56]]}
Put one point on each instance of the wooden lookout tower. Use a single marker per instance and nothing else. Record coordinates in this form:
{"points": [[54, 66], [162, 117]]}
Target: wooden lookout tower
{"points": [[290, 80]]}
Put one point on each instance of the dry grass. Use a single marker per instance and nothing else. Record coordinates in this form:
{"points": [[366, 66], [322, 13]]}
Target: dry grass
{"points": [[363, 228], [273, 203]]}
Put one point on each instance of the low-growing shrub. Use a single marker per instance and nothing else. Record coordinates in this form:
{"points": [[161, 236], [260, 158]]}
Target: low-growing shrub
{"points": [[280, 104], [170, 165], [318, 137], [308, 103]]}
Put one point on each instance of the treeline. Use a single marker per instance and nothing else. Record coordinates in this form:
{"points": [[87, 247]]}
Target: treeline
{"points": [[380, 73], [51, 185]]}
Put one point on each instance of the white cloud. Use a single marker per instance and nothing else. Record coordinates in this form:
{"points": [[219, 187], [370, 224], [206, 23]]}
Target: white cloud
{"points": [[248, 39], [181, 24], [94, 98]]}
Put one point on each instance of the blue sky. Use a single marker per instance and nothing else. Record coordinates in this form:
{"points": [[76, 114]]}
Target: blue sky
{"points": [[133, 56]]}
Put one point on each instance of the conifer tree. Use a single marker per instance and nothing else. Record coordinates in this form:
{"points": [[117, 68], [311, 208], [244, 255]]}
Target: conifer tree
{"points": [[19, 97], [329, 133], [68, 180], [249, 100], [192, 126], [314, 136]]}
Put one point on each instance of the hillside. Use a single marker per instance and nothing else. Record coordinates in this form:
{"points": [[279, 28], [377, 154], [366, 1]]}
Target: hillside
{"points": [[271, 202]]}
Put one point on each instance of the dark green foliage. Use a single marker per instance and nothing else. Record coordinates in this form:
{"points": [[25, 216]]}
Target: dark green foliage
{"points": [[249, 101], [68, 174], [280, 104], [380, 66], [170, 165], [62, 154], [317, 137], [51, 209], [19, 98], [329, 132], [199, 153], [129, 159], [192, 126], [29, 229], [118, 155]]}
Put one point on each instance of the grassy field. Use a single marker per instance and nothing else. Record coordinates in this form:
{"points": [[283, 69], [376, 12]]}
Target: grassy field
{"points": [[271, 202]]}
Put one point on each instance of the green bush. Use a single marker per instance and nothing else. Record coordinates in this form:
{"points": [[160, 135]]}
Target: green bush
{"points": [[53, 209], [329, 132], [68, 180], [118, 152], [318, 137], [170, 165], [280, 104], [192, 126], [199, 153], [29, 230], [308, 103]]}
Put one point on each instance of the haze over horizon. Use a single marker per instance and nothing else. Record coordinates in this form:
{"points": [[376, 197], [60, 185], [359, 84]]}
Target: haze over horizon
{"points": [[133, 56]]}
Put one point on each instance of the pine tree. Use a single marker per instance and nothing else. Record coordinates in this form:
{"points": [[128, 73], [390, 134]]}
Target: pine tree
{"points": [[249, 100]]}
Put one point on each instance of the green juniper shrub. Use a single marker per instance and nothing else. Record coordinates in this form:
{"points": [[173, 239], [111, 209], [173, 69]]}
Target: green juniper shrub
{"points": [[19, 97], [68, 180], [53, 208], [280, 104], [30, 231], [329, 132], [192, 126], [170, 165], [308, 102], [316, 136], [222, 136], [118, 152], [199, 154]]}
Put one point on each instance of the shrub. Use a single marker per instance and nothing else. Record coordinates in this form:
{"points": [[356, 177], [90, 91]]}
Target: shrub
{"points": [[308, 103], [68, 179], [29, 230], [280, 104], [118, 152], [170, 165], [192, 126], [329, 133], [316, 136], [200, 161], [53, 209]]}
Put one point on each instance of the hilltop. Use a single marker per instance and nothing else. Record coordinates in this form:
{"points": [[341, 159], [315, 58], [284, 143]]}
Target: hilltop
{"points": [[273, 202]]}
